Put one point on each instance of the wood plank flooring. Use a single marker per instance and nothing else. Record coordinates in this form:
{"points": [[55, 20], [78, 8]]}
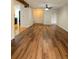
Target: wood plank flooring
{"points": [[41, 42]]}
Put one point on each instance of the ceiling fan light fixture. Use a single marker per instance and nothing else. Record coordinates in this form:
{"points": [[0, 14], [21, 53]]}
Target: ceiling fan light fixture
{"points": [[46, 9]]}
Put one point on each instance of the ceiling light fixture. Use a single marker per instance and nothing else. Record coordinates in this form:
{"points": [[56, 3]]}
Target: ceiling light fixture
{"points": [[46, 9]]}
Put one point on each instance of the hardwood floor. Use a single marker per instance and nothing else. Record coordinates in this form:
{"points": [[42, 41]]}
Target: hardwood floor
{"points": [[41, 42]]}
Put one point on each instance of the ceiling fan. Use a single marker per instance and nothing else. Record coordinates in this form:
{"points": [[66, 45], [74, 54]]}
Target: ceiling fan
{"points": [[47, 7]]}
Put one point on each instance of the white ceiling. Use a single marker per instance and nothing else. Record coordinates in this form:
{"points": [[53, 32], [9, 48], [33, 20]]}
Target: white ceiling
{"points": [[51, 3]]}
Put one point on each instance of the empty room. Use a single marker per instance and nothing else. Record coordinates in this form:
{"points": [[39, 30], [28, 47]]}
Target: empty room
{"points": [[39, 29]]}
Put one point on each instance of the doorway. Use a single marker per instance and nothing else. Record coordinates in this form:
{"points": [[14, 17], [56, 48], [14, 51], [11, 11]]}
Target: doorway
{"points": [[17, 20]]}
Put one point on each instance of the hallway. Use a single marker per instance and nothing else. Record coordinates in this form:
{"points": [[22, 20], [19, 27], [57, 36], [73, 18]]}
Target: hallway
{"points": [[41, 42]]}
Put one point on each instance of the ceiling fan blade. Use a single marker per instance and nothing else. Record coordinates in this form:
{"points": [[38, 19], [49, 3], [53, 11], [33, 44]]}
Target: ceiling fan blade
{"points": [[49, 7]]}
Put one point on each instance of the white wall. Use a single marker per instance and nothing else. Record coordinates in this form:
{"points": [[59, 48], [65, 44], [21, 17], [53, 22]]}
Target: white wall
{"points": [[62, 17], [47, 17], [42, 16], [50, 17], [12, 18], [26, 15], [38, 15]]}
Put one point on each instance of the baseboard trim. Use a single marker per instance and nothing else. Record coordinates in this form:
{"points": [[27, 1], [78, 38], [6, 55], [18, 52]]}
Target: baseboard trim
{"points": [[63, 28]]}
